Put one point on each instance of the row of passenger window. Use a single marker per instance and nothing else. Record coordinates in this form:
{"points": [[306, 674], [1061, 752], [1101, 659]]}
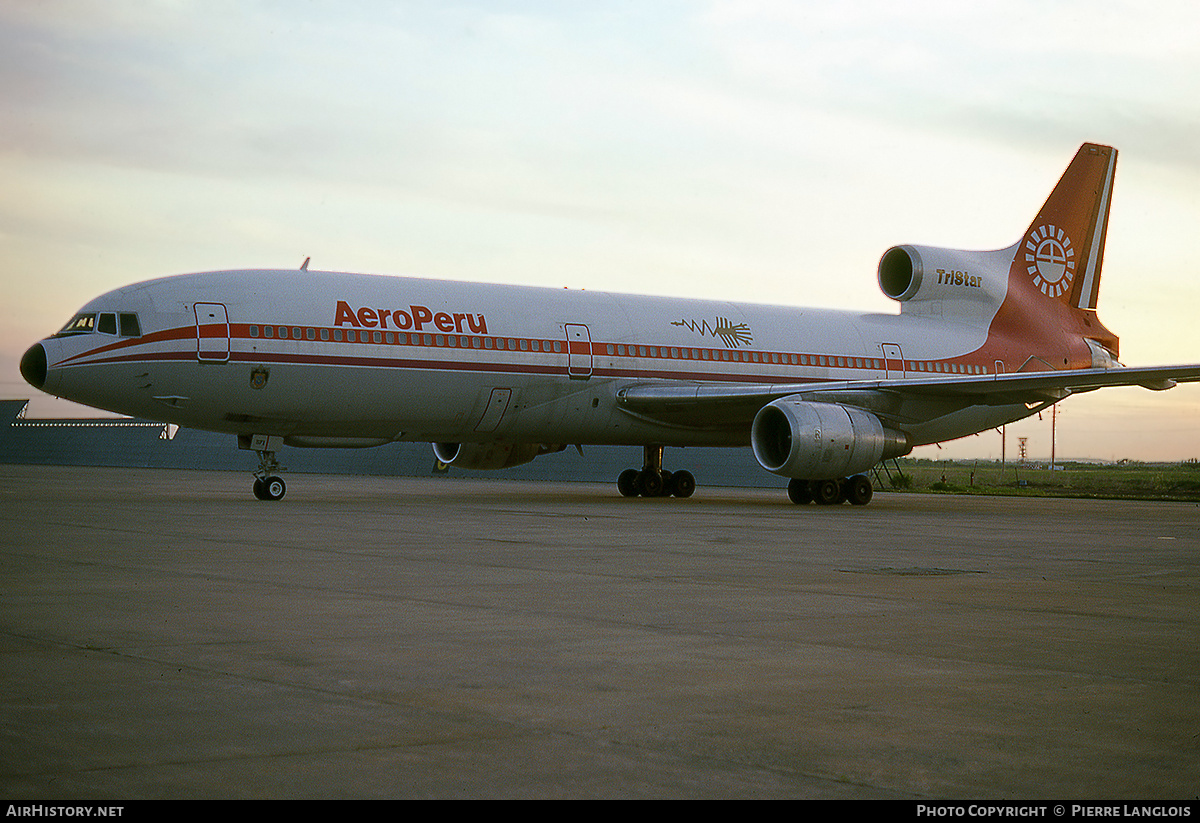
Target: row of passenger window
{"points": [[953, 368], [619, 350], [746, 356], [675, 353], [405, 339], [124, 323]]}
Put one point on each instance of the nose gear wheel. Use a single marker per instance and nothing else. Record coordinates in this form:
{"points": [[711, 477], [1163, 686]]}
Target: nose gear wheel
{"points": [[267, 484]]}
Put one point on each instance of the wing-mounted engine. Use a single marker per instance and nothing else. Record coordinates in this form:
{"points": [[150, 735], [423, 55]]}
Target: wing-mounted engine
{"points": [[957, 285], [490, 456], [819, 441]]}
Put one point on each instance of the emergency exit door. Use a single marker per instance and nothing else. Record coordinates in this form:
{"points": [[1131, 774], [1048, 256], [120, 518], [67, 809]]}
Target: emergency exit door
{"points": [[212, 333], [579, 351]]}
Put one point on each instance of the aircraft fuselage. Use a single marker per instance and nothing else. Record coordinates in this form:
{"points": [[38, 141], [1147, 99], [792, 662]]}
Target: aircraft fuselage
{"points": [[326, 355]]}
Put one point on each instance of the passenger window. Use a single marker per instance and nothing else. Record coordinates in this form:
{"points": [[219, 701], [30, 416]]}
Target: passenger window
{"points": [[130, 327]]}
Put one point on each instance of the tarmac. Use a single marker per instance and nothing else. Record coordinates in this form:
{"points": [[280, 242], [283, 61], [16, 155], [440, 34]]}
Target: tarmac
{"points": [[165, 635]]}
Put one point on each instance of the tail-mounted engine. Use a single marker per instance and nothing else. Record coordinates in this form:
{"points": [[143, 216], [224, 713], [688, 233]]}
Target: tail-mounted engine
{"points": [[821, 441], [961, 285], [490, 456]]}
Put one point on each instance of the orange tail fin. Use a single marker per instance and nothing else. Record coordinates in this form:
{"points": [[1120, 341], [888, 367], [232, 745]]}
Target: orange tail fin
{"points": [[1049, 311], [1063, 249]]}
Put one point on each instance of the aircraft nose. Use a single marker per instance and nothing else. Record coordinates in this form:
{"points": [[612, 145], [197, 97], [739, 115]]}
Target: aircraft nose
{"points": [[33, 366]]}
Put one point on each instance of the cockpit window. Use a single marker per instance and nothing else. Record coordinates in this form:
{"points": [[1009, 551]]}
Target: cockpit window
{"points": [[105, 322], [80, 324]]}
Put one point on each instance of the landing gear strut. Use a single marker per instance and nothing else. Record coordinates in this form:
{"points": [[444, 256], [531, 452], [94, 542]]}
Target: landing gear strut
{"points": [[268, 485], [857, 490], [652, 481]]}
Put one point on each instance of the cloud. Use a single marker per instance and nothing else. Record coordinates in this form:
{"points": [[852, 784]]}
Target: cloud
{"points": [[1026, 73]]}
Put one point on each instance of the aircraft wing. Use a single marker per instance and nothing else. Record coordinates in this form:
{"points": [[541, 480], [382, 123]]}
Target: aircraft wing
{"points": [[725, 405]]}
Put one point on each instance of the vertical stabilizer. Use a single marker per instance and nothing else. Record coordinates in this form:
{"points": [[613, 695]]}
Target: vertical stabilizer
{"points": [[1048, 315], [1063, 249]]}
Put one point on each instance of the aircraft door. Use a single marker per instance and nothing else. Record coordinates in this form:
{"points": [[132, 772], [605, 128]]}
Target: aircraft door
{"points": [[579, 351], [893, 360], [212, 333]]}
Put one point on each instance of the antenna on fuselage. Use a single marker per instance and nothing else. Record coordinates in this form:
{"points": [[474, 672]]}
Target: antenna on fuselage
{"points": [[304, 265]]}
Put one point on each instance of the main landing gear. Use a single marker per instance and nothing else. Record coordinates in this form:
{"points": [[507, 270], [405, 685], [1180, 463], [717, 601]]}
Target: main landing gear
{"points": [[268, 485], [857, 490], [652, 481]]}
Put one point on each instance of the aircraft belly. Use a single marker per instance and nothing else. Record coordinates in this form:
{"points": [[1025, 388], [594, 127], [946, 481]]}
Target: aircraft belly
{"points": [[970, 420], [358, 401], [562, 412]]}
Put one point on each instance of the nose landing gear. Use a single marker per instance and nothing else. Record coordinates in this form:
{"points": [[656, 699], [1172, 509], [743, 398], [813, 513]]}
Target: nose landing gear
{"points": [[268, 485]]}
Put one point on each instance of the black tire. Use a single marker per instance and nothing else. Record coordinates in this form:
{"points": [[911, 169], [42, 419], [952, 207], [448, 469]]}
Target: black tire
{"points": [[827, 492], [685, 484], [799, 492], [627, 483], [650, 483], [259, 491], [274, 488], [859, 490]]}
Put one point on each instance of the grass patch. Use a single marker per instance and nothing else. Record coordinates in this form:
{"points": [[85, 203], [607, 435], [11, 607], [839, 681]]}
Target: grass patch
{"points": [[1133, 481]]}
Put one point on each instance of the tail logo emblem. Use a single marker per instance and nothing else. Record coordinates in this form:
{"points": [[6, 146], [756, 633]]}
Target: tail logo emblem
{"points": [[1050, 260]]}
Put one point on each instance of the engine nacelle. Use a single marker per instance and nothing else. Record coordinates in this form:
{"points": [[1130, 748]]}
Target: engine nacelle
{"points": [[489, 456], [926, 279], [821, 441]]}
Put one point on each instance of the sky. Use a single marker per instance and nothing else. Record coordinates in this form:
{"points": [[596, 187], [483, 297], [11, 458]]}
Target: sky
{"points": [[759, 151]]}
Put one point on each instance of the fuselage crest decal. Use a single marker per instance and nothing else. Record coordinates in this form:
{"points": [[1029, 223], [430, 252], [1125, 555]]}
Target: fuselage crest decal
{"points": [[732, 335]]}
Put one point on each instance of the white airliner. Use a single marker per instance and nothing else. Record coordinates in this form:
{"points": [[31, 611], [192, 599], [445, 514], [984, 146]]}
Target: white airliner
{"points": [[496, 375]]}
